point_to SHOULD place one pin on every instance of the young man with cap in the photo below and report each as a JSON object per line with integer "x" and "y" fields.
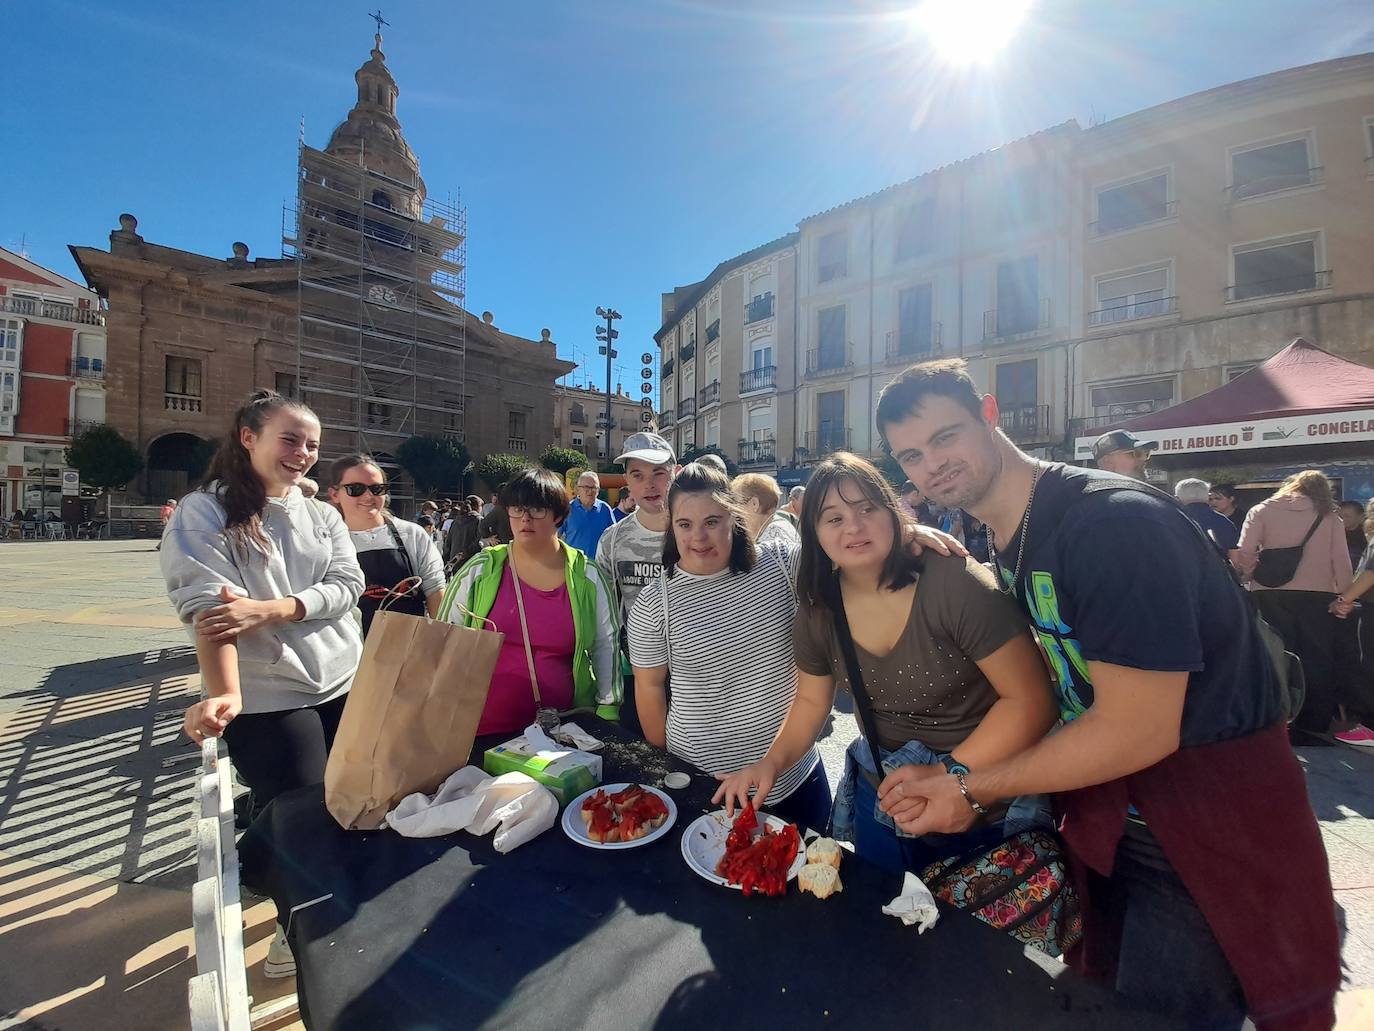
{"x": 630, "y": 552}
{"x": 588, "y": 517}
{"x": 1200, "y": 866}
{"x": 1123, "y": 453}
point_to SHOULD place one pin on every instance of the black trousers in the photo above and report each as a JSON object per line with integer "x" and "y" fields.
{"x": 1310, "y": 632}
{"x": 275, "y": 752}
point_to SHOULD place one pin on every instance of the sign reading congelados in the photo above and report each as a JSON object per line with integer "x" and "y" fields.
{"x": 1289, "y": 431}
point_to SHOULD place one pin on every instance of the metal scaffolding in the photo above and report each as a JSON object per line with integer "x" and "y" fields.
{"x": 380, "y": 276}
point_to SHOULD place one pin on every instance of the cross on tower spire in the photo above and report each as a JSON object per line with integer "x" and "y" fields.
{"x": 377, "y": 17}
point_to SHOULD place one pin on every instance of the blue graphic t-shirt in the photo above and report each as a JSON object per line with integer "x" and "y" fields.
{"x": 1124, "y": 577}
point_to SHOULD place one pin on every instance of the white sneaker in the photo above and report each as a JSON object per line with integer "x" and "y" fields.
{"x": 280, "y": 961}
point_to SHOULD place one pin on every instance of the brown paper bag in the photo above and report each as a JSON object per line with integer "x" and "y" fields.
{"x": 411, "y": 714}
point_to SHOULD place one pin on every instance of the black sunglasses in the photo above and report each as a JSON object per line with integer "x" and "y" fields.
{"x": 355, "y": 490}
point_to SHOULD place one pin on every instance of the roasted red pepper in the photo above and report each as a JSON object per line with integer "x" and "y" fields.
{"x": 758, "y": 864}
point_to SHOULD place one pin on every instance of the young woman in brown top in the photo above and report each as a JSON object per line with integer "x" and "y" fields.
{"x": 946, "y": 659}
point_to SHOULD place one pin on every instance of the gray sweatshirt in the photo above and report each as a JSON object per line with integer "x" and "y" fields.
{"x": 283, "y": 665}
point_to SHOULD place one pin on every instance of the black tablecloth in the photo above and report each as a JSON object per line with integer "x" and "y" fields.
{"x": 447, "y": 933}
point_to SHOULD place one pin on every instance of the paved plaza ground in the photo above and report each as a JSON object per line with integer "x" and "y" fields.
{"x": 97, "y": 813}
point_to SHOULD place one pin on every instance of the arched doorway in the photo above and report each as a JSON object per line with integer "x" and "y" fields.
{"x": 175, "y": 462}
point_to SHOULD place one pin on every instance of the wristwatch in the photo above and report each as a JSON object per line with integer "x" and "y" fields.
{"x": 963, "y": 790}
{"x": 953, "y": 765}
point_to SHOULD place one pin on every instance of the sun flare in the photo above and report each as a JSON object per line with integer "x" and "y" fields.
{"x": 969, "y": 32}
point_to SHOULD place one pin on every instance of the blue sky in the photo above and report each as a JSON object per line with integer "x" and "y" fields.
{"x": 607, "y": 150}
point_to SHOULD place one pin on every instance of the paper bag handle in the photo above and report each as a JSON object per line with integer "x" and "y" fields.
{"x": 399, "y": 591}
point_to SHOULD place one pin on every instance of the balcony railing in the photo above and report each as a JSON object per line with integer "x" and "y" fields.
{"x": 1276, "y": 183}
{"x": 1133, "y": 220}
{"x": 668, "y": 364}
{"x": 758, "y": 452}
{"x": 687, "y": 408}
{"x": 709, "y": 394}
{"x": 666, "y": 418}
{"x": 713, "y": 331}
{"x": 1096, "y": 425}
{"x": 516, "y": 444}
{"x": 689, "y": 350}
{"x": 765, "y": 377}
{"x": 1017, "y": 320}
{"x": 577, "y": 418}
{"x": 1134, "y": 310}
{"x": 1297, "y": 283}
{"x": 76, "y": 427}
{"x": 759, "y": 308}
{"x": 826, "y": 441}
{"x": 1026, "y": 424}
{"x": 85, "y": 367}
{"x": 180, "y": 402}
{"x": 910, "y": 346}
{"x": 827, "y": 360}
{"x": 41, "y": 309}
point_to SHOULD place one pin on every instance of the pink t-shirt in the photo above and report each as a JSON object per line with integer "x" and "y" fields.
{"x": 510, "y": 702}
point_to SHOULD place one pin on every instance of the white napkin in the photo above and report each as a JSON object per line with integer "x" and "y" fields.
{"x": 574, "y": 736}
{"x": 915, "y": 905}
{"x": 471, "y": 800}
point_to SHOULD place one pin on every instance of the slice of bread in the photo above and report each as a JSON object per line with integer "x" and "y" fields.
{"x": 824, "y": 850}
{"x": 820, "y": 879}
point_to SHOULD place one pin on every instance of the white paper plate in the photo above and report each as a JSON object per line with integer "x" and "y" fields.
{"x": 703, "y": 843}
{"x": 576, "y": 828}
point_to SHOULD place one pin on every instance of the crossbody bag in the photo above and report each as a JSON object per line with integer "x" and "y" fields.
{"x": 1277, "y": 566}
{"x": 1020, "y": 886}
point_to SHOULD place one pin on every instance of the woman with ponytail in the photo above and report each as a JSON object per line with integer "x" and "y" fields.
{"x": 266, "y": 580}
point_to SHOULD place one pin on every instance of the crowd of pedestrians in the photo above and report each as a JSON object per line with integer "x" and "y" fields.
{"x": 1029, "y": 645}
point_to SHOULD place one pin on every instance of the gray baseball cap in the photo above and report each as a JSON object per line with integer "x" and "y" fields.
{"x": 648, "y": 447}
{"x": 1121, "y": 440}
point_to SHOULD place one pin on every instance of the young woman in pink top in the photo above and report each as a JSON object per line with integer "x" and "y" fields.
{"x": 1300, "y": 609}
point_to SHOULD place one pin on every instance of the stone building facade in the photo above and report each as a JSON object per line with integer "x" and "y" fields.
{"x": 190, "y": 335}
{"x": 579, "y": 415}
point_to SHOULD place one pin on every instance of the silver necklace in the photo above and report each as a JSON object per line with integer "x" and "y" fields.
{"x": 1021, "y": 549}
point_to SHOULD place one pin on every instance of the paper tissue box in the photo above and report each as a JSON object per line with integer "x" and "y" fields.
{"x": 566, "y": 772}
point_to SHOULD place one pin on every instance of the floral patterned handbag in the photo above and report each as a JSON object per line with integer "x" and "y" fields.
{"x": 1020, "y": 886}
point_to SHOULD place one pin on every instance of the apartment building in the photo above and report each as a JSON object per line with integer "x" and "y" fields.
{"x": 973, "y": 259}
{"x": 1088, "y": 276}
{"x": 729, "y": 358}
{"x": 579, "y": 420}
{"x": 52, "y": 371}
{"x": 1219, "y": 228}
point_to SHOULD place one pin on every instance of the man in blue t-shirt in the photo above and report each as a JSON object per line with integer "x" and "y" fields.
{"x": 588, "y": 517}
{"x": 1172, "y": 774}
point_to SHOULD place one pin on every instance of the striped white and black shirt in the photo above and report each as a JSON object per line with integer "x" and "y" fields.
{"x": 733, "y": 675}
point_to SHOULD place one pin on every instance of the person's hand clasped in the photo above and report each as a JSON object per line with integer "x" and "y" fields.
{"x": 1341, "y": 608}
{"x": 735, "y": 787}
{"x": 925, "y": 800}
{"x": 237, "y": 616}
{"x": 209, "y": 717}
{"x": 920, "y": 537}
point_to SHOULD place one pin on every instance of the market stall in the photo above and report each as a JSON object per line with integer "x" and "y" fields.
{"x": 1303, "y": 408}
{"x": 445, "y": 932}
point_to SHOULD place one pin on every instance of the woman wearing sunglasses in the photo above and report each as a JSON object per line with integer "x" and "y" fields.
{"x": 537, "y": 581}
{"x": 389, "y": 550}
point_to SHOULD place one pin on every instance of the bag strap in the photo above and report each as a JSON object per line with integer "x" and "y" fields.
{"x": 1312, "y": 529}
{"x": 862, "y": 705}
{"x": 524, "y": 626}
{"x": 667, "y": 638}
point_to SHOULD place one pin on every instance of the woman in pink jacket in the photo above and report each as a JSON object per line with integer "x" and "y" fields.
{"x": 1300, "y": 608}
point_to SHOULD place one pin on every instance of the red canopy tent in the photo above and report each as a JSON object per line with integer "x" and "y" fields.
{"x": 1302, "y": 395}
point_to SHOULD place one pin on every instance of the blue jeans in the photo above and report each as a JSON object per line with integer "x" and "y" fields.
{"x": 881, "y": 845}
{"x": 1169, "y": 960}
{"x": 809, "y": 806}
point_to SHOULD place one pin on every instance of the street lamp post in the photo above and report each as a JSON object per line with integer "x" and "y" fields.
{"x": 606, "y": 335}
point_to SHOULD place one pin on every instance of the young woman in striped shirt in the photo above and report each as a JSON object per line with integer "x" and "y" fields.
{"x": 727, "y": 639}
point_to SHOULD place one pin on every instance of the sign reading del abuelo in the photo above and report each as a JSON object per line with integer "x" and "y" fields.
{"x": 1288, "y": 431}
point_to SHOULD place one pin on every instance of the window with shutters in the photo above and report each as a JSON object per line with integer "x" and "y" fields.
{"x": 1137, "y": 397}
{"x": 1136, "y": 295}
{"x": 833, "y": 256}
